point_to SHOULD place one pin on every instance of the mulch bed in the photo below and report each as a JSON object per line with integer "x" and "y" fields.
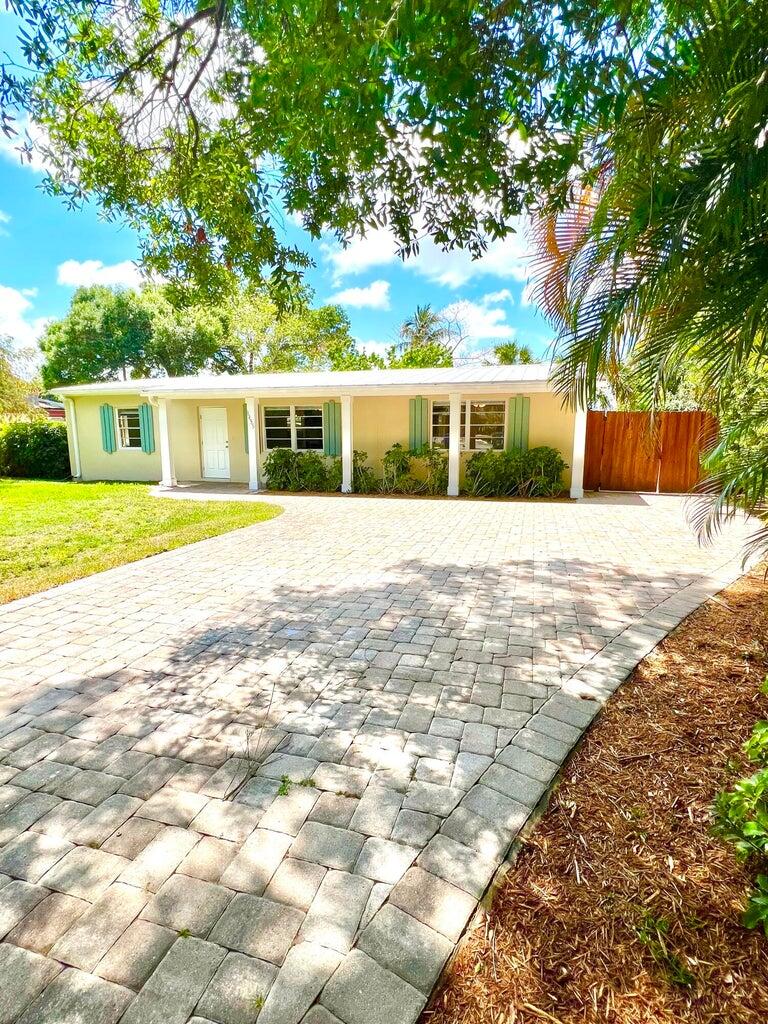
{"x": 622, "y": 906}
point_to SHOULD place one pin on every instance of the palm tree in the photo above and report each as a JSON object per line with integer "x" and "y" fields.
{"x": 509, "y": 353}
{"x": 426, "y": 339}
{"x": 660, "y": 264}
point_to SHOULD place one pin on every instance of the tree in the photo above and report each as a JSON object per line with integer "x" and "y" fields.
{"x": 104, "y": 336}
{"x": 659, "y": 267}
{"x": 426, "y": 339}
{"x": 509, "y": 353}
{"x": 183, "y": 339}
{"x": 15, "y": 390}
{"x": 201, "y": 123}
{"x": 264, "y": 338}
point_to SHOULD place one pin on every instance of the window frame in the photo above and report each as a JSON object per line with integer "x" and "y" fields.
{"x": 118, "y": 433}
{"x": 466, "y": 427}
{"x": 293, "y": 408}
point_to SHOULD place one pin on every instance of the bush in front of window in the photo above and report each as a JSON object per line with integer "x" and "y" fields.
{"x": 535, "y": 473}
{"x": 287, "y": 470}
{"x": 36, "y": 449}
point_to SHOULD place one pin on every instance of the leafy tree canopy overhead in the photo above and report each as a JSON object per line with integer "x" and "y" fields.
{"x": 202, "y": 122}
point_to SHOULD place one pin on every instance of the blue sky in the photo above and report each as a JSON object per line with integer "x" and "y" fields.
{"x": 46, "y": 250}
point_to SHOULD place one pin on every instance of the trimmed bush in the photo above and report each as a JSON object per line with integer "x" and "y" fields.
{"x": 536, "y": 473}
{"x": 36, "y": 449}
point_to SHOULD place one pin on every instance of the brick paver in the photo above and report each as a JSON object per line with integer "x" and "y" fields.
{"x": 274, "y": 772}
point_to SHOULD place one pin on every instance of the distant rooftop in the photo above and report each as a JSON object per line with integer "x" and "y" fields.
{"x": 336, "y": 381}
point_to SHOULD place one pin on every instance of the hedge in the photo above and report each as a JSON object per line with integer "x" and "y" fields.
{"x": 34, "y": 448}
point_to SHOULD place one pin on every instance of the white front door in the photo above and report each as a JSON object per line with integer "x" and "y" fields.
{"x": 213, "y": 431}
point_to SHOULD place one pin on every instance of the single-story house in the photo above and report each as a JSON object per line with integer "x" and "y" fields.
{"x": 221, "y": 428}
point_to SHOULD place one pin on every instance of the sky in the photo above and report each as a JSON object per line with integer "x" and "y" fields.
{"x": 47, "y": 250}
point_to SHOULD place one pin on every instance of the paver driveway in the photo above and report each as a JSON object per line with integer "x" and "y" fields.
{"x": 272, "y": 773}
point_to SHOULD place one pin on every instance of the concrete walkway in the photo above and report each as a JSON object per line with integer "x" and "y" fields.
{"x": 271, "y": 774}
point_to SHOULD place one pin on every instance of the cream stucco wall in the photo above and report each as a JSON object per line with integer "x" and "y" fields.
{"x": 378, "y": 422}
{"x": 95, "y": 463}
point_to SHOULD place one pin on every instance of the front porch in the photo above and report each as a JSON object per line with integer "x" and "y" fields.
{"x": 228, "y": 441}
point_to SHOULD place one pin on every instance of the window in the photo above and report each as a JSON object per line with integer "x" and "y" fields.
{"x": 128, "y": 428}
{"x": 277, "y": 428}
{"x": 294, "y": 426}
{"x": 440, "y": 423}
{"x": 309, "y": 428}
{"x": 486, "y": 426}
{"x": 482, "y": 425}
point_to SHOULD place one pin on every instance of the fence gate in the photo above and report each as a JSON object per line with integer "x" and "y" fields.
{"x": 623, "y": 453}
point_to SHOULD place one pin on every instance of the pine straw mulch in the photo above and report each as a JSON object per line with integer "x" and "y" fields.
{"x": 622, "y": 906}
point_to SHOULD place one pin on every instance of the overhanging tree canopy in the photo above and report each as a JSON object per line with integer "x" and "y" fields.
{"x": 202, "y": 122}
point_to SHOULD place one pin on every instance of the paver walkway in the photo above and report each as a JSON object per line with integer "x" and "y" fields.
{"x": 272, "y": 773}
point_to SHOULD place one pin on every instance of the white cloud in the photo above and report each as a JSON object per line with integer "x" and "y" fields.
{"x": 15, "y": 320}
{"x": 478, "y": 321}
{"x": 505, "y": 295}
{"x": 76, "y": 274}
{"x": 376, "y": 249}
{"x": 373, "y": 296}
{"x": 504, "y": 258}
{"x": 5, "y": 218}
{"x": 378, "y": 348}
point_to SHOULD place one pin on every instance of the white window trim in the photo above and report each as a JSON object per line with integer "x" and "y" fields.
{"x": 120, "y": 446}
{"x": 466, "y": 404}
{"x": 291, "y": 407}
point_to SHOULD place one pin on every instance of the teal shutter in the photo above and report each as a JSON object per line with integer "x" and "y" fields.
{"x": 418, "y": 422}
{"x": 332, "y": 428}
{"x": 146, "y": 428}
{"x": 107, "y": 416}
{"x": 245, "y": 425}
{"x": 518, "y": 414}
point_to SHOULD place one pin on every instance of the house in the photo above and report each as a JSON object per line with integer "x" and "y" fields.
{"x": 221, "y": 428}
{"x": 47, "y": 406}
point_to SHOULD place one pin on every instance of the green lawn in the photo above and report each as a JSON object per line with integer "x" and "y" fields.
{"x": 54, "y": 532}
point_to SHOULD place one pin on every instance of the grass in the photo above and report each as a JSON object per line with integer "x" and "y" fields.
{"x": 623, "y": 907}
{"x": 53, "y": 532}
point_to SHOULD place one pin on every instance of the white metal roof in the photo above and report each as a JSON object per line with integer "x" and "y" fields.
{"x": 532, "y": 377}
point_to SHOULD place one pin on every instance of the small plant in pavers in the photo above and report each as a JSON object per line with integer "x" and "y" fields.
{"x": 285, "y": 786}
{"x": 185, "y": 933}
{"x": 307, "y": 783}
{"x": 258, "y": 1003}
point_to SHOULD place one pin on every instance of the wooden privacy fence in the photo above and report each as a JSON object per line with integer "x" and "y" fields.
{"x": 623, "y": 453}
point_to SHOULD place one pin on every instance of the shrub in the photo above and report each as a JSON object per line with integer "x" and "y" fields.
{"x": 287, "y": 470}
{"x": 535, "y": 473}
{"x": 741, "y": 818}
{"x": 434, "y": 459}
{"x": 363, "y": 478}
{"x": 34, "y": 448}
{"x": 396, "y": 466}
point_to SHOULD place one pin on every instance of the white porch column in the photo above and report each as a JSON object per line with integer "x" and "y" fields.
{"x": 168, "y": 475}
{"x": 579, "y": 448}
{"x": 454, "y": 442}
{"x": 71, "y": 420}
{"x": 347, "y": 443}
{"x": 252, "y": 414}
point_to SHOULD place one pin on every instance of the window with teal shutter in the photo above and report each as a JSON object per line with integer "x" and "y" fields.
{"x": 107, "y": 416}
{"x": 332, "y": 428}
{"x": 517, "y": 423}
{"x": 418, "y": 422}
{"x": 146, "y": 428}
